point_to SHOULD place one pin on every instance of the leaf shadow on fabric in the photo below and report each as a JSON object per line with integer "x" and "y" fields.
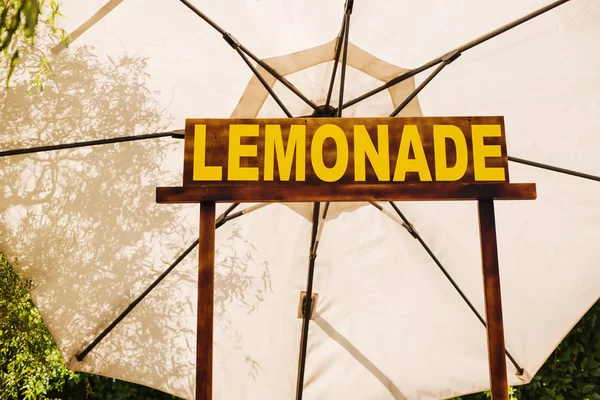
{"x": 83, "y": 223}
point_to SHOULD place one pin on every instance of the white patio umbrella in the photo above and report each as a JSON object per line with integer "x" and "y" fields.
{"x": 400, "y": 299}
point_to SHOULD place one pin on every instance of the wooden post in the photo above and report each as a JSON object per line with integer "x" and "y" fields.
{"x": 493, "y": 302}
{"x": 206, "y": 278}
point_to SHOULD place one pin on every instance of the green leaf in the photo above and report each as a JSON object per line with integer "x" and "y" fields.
{"x": 3, "y": 15}
{"x": 584, "y": 363}
{"x": 13, "y": 63}
{"x": 6, "y": 41}
{"x": 32, "y": 10}
{"x": 588, "y": 388}
{"x": 19, "y": 21}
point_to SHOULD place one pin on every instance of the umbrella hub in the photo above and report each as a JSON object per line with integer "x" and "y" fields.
{"x": 325, "y": 111}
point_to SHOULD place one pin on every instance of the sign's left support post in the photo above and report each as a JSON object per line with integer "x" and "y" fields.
{"x": 206, "y": 285}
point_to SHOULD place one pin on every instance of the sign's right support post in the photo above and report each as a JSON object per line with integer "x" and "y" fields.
{"x": 493, "y": 302}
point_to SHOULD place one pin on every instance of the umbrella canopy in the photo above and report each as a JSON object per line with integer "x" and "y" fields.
{"x": 399, "y": 310}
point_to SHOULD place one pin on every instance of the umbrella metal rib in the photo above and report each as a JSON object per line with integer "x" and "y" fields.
{"x": 262, "y": 80}
{"x": 221, "y": 220}
{"x": 39, "y": 149}
{"x": 416, "y": 235}
{"x": 279, "y": 77}
{"x": 461, "y": 49}
{"x": 307, "y": 306}
{"x": 336, "y": 59}
{"x": 393, "y": 217}
{"x": 80, "y": 356}
{"x": 451, "y": 57}
{"x": 227, "y": 218}
{"x": 227, "y": 36}
{"x": 555, "y": 169}
{"x": 344, "y": 56}
{"x": 320, "y": 230}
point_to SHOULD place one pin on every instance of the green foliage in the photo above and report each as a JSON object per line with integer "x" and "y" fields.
{"x": 572, "y": 372}
{"x": 31, "y": 366}
{"x": 95, "y": 387}
{"x": 19, "y": 25}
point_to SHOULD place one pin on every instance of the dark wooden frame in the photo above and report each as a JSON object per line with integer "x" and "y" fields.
{"x": 209, "y": 193}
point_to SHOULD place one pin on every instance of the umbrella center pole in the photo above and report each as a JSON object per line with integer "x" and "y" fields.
{"x": 493, "y": 302}
{"x": 206, "y": 284}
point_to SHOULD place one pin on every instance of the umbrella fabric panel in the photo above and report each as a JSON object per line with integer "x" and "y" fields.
{"x": 382, "y": 301}
{"x": 83, "y": 223}
{"x": 88, "y": 233}
{"x": 550, "y": 110}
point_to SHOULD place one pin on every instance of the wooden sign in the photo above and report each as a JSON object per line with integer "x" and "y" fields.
{"x": 334, "y": 150}
{"x": 345, "y": 159}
